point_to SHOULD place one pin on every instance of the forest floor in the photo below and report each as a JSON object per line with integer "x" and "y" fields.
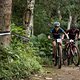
{"x": 65, "y": 73}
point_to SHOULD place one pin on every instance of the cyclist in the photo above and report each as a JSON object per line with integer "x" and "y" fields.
{"x": 57, "y": 33}
{"x": 73, "y": 34}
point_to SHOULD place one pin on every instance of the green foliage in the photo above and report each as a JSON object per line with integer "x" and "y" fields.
{"x": 18, "y": 9}
{"x": 41, "y": 20}
{"x": 44, "y": 48}
{"x": 64, "y": 24}
{"x": 18, "y": 61}
{"x": 17, "y": 29}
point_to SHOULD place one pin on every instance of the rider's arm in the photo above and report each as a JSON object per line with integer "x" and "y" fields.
{"x": 64, "y": 34}
{"x": 62, "y": 37}
{"x": 49, "y": 37}
{"x": 77, "y": 34}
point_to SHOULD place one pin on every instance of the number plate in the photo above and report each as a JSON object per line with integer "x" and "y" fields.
{"x": 71, "y": 40}
{"x": 59, "y": 40}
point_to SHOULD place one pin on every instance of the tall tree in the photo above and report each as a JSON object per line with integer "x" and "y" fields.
{"x": 5, "y": 15}
{"x": 28, "y": 17}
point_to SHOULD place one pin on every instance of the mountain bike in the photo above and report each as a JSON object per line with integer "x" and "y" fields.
{"x": 58, "y": 55}
{"x": 72, "y": 53}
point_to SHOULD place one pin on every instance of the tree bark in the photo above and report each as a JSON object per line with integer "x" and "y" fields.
{"x": 5, "y": 15}
{"x": 28, "y": 18}
{"x": 69, "y": 21}
{"x": 59, "y": 13}
{"x": 74, "y": 20}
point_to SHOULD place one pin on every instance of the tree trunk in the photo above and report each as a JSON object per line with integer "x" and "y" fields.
{"x": 28, "y": 18}
{"x": 70, "y": 21}
{"x": 74, "y": 20}
{"x": 5, "y": 15}
{"x": 59, "y": 13}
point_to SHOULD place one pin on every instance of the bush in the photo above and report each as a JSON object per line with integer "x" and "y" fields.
{"x": 18, "y": 61}
{"x": 43, "y": 47}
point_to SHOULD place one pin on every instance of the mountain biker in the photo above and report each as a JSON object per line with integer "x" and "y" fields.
{"x": 73, "y": 34}
{"x": 57, "y": 33}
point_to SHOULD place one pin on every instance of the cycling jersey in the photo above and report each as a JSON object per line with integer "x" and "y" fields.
{"x": 72, "y": 33}
{"x": 57, "y": 34}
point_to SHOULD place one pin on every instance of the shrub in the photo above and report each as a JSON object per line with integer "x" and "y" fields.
{"x": 18, "y": 61}
{"x": 44, "y": 48}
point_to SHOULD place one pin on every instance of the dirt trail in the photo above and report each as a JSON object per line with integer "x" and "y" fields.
{"x": 65, "y": 73}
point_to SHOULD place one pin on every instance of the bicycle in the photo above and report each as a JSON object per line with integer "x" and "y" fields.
{"x": 72, "y": 53}
{"x": 58, "y": 55}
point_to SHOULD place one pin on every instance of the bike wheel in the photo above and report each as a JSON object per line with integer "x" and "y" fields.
{"x": 76, "y": 56}
{"x": 55, "y": 61}
{"x": 59, "y": 58}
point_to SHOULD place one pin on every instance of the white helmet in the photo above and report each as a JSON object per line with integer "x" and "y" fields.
{"x": 57, "y": 24}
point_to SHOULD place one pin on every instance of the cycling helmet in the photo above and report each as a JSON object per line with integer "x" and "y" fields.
{"x": 56, "y": 24}
{"x": 73, "y": 26}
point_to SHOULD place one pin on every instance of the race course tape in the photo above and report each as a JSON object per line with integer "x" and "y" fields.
{"x": 4, "y": 33}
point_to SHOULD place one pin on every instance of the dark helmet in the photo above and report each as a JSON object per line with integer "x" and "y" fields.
{"x": 73, "y": 27}
{"x": 56, "y": 24}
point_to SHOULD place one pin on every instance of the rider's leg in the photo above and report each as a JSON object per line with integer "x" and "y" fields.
{"x": 54, "y": 49}
{"x": 74, "y": 50}
{"x": 65, "y": 51}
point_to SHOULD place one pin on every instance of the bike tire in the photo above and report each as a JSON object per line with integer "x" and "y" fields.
{"x": 76, "y": 57}
{"x": 55, "y": 61}
{"x": 59, "y": 58}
